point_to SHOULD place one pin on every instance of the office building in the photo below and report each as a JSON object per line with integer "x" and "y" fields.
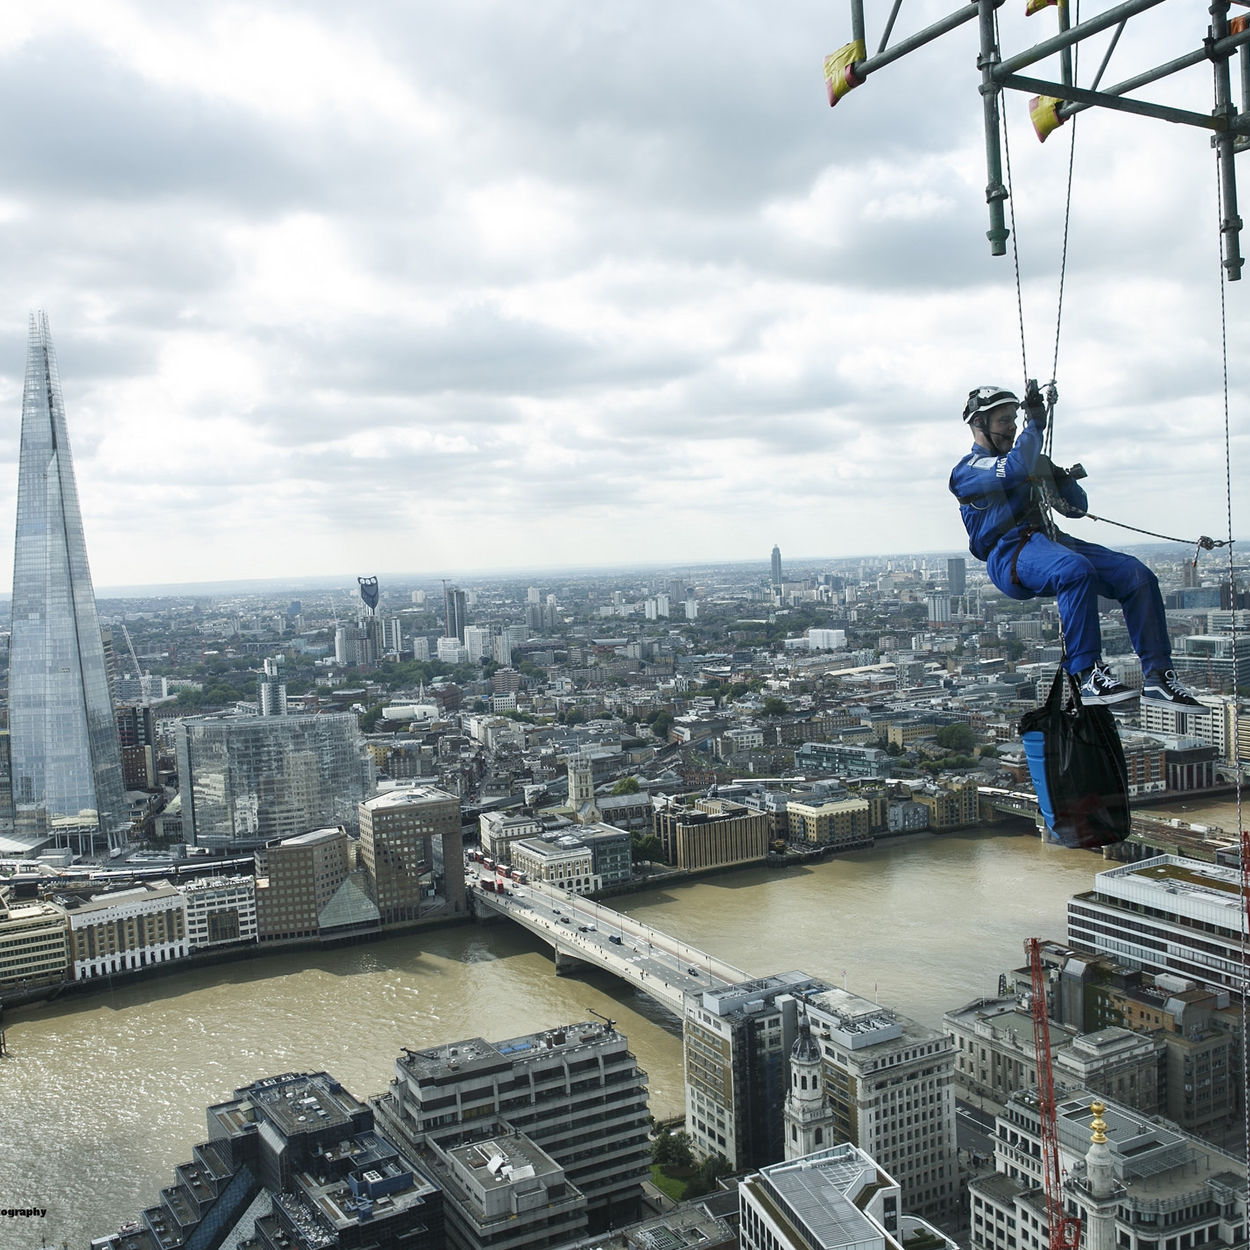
{"x": 411, "y": 847}
{"x": 66, "y": 761}
{"x": 502, "y": 1191}
{"x": 563, "y": 860}
{"x": 451, "y": 651}
{"x": 996, "y": 1055}
{"x": 576, "y": 1091}
{"x": 295, "y": 880}
{"x": 611, "y": 850}
{"x": 839, "y": 1198}
{"x": 292, "y": 1162}
{"x": 127, "y": 930}
{"x": 776, "y": 567}
{"x": 735, "y": 1044}
{"x": 711, "y": 833}
{"x": 221, "y": 911}
{"x": 1165, "y": 915}
{"x": 271, "y": 688}
{"x": 1206, "y": 661}
{"x": 455, "y": 613}
{"x": 499, "y": 830}
{"x": 939, "y": 609}
{"x": 34, "y": 946}
{"x": 890, "y": 1084}
{"x": 956, "y": 576}
{"x": 1136, "y": 1180}
{"x": 248, "y": 780}
{"x": 842, "y": 760}
{"x": 839, "y": 824}
{"x": 951, "y": 805}
{"x": 421, "y": 649}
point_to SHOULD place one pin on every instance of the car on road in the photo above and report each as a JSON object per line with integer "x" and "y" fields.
{"x": 581, "y": 928}
{"x": 565, "y": 920}
{"x": 613, "y": 938}
{"x": 694, "y": 972}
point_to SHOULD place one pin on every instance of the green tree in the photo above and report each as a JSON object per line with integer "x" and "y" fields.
{"x": 626, "y": 785}
{"x": 646, "y": 848}
{"x": 989, "y": 751}
{"x": 713, "y": 1168}
{"x": 956, "y": 738}
{"x": 673, "y": 1150}
{"x": 661, "y": 725}
{"x": 369, "y": 720}
{"x": 774, "y": 706}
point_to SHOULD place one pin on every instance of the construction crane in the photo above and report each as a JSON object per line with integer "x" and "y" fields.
{"x": 609, "y": 1025}
{"x": 134, "y": 659}
{"x": 1065, "y": 1229}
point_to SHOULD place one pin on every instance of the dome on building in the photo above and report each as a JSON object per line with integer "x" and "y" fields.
{"x": 805, "y": 1049}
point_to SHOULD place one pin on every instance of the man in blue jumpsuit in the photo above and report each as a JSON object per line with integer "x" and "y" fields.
{"x": 999, "y": 488}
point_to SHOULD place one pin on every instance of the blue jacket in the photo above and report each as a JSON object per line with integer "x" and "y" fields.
{"x": 996, "y": 496}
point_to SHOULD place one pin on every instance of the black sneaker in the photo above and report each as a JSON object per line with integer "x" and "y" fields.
{"x": 1163, "y": 686}
{"x": 1099, "y": 688}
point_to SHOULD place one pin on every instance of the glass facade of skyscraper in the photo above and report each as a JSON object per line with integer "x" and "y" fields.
{"x": 66, "y": 761}
{"x": 246, "y": 780}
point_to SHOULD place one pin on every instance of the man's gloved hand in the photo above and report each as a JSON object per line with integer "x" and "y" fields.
{"x": 1061, "y": 477}
{"x": 1034, "y": 405}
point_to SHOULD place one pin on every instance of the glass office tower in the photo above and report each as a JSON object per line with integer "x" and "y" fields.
{"x": 66, "y": 761}
{"x": 246, "y": 780}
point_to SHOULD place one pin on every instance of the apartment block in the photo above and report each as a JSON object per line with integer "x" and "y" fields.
{"x": 951, "y": 805}
{"x": 577, "y": 1092}
{"x": 839, "y": 824}
{"x": 410, "y": 876}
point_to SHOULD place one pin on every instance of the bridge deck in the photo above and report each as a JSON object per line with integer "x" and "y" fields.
{"x": 649, "y": 959}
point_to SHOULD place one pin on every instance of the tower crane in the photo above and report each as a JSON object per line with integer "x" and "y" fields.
{"x": 134, "y": 659}
{"x": 1065, "y": 1229}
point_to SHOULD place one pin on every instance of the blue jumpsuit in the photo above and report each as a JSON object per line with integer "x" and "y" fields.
{"x": 1004, "y": 522}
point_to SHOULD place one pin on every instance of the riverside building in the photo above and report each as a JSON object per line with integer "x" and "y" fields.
{"x": 711, "y": 833}
{"x": 221, "y": 911}
{"x": 292, "y": 1162}
{"x": 34, "y": 946}
{"x": 1165, "y": 915}
{"x": 128, "y": 930}
{"x": 577, "y": 1092}
{"x": 411, "y": 847}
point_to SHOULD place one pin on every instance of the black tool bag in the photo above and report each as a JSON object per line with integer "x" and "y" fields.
{"x": 1078, "y": 769}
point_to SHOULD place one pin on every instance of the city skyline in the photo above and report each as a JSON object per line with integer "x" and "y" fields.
{"x": 331, "y": 295}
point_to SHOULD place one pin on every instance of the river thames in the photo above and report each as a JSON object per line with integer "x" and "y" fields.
{"x": 104, "y": 1095}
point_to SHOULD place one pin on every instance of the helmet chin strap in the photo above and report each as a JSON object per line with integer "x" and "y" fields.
{"x": 999, "y": 443}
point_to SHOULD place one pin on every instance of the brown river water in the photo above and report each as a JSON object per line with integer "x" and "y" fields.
{"x": 101, "y": 1096}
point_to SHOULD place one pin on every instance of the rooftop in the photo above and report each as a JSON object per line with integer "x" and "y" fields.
{"x": 409, "y": 796}
{"x": 460, "y": 1059}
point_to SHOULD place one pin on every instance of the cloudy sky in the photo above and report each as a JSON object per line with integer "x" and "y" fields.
{"x": 442, "y": 287}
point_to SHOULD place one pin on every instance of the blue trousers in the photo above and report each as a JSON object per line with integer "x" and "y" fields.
{"x": 1076, "y": 573}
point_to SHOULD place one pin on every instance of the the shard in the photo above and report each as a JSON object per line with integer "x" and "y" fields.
{"x": 66, "y": 760}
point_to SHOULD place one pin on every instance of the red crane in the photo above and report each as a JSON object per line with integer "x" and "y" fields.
{"x": 1065, "y": 1229}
